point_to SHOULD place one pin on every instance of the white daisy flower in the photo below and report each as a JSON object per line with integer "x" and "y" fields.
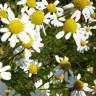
{"x": 82, "y": 46}
{"x": 65, "y": 65}
{"x": 70, "y": 27}
{"x": 42, "y": 88}
{"x": 82, "y": 40}
{"x": 4, "y": 11}
{"x": 84, "y": 7}
{"x": 37, "y": 19}
{"x": 78, "y": 85}
{"x": 54, "y": 12}
{"x": 31, "y": 66}
{"x": 3, "y": 72}
{"x": 5, "y": 91}
{"x": 27, "y": 4}
{"x": 16, "y": 30}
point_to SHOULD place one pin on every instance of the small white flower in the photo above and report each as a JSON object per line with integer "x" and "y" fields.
{"x": 82, "y": 7}
{"x": 54, "y": 12}
{"x": 30, "y": 66}
{"x": 78, "y": 86}
{"x": 4, "y": 12}
{"x": 28, "y": 4}
{"x": 70, "y": 27}
{"x": 42, "y": 88}
{"x": 16, "y": 30}
{"x": 65, "y": 67}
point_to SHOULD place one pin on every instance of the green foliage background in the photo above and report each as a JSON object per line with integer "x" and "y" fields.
{"x": 80, "y": 62}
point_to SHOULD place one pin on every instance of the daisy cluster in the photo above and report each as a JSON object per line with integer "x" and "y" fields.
{"x": 23, "y": 33}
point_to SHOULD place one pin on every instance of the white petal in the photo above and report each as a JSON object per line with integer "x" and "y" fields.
{"x": 45, "y": 2}
{"x": 5, "y": 68}
{"x": 68, "y": 6}
{"x": 66, "y": 58}
{"x": 13, "y": 40}
{"x": 24, "y": 9}
{"x": 66, "y": 76}
{"x": 71, "y": 73}
{"x": 11, "y": 15}
{"x": 6, "y": 75}
{"x": 76, "y": 15}
{"x": 24, "y": 37}
{"x": 46, "y": 85}
{"x": 4, "y": 20}
{"x": 56, "y": 2}
{"x": 36, "y": 48}
{"x": 38, "y": 33}
{"x": 5, "y": 36}
{"x": 60, "y": 11}
{"x": 5, "y": 6}
{"x": 78, "y": 76}
{"x": 57, "y": 58}
{"x": 27, "y": 53}
{"x": 4, "y": 30}
{"x": 86, "y": 14}
{"x": 1, "y": 6}
{"x": 21, "y": 2}
{"x": 30, "y": 74}
{"x": 60, "y": 34}
{"x": 1, "y": 64}
{"x": 40, "y": 6}
{"x": 68, "y": 35}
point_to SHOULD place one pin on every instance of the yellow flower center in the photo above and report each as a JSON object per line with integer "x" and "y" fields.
{"x": 28, "y": 44}
{"x": 51, "y": 7}
{"x": 65, "y": 64}
{"x": 88, "y": 29}
{"x": 93, "y": 15}
{"x": 16, "y": 26}
{"x": 60, "y": 78}
{"x": 81, "y": 4}
{"x": 42, "y": 89}
{"x": 31, "y": 3}
{"x": 33, "y": 68}
{"x": 70, "y": 25}
{"x": 3, "y": 13}
{"x": 37, "y": 17}
{"x": 79, "y": 85}
{"x": 83, "y": 43}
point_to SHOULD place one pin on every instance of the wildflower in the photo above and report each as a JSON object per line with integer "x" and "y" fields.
{"x": 70, "y": 27}
{"x": 84, "y": 7}
{"x": 78, "y": 86}
{"x": 54, "y": 12}
{"x": 65, "y": 66}
{"x": 41, "y": 89}
{"x": 16, "y": 29}
{"x": 31, "y": 66}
